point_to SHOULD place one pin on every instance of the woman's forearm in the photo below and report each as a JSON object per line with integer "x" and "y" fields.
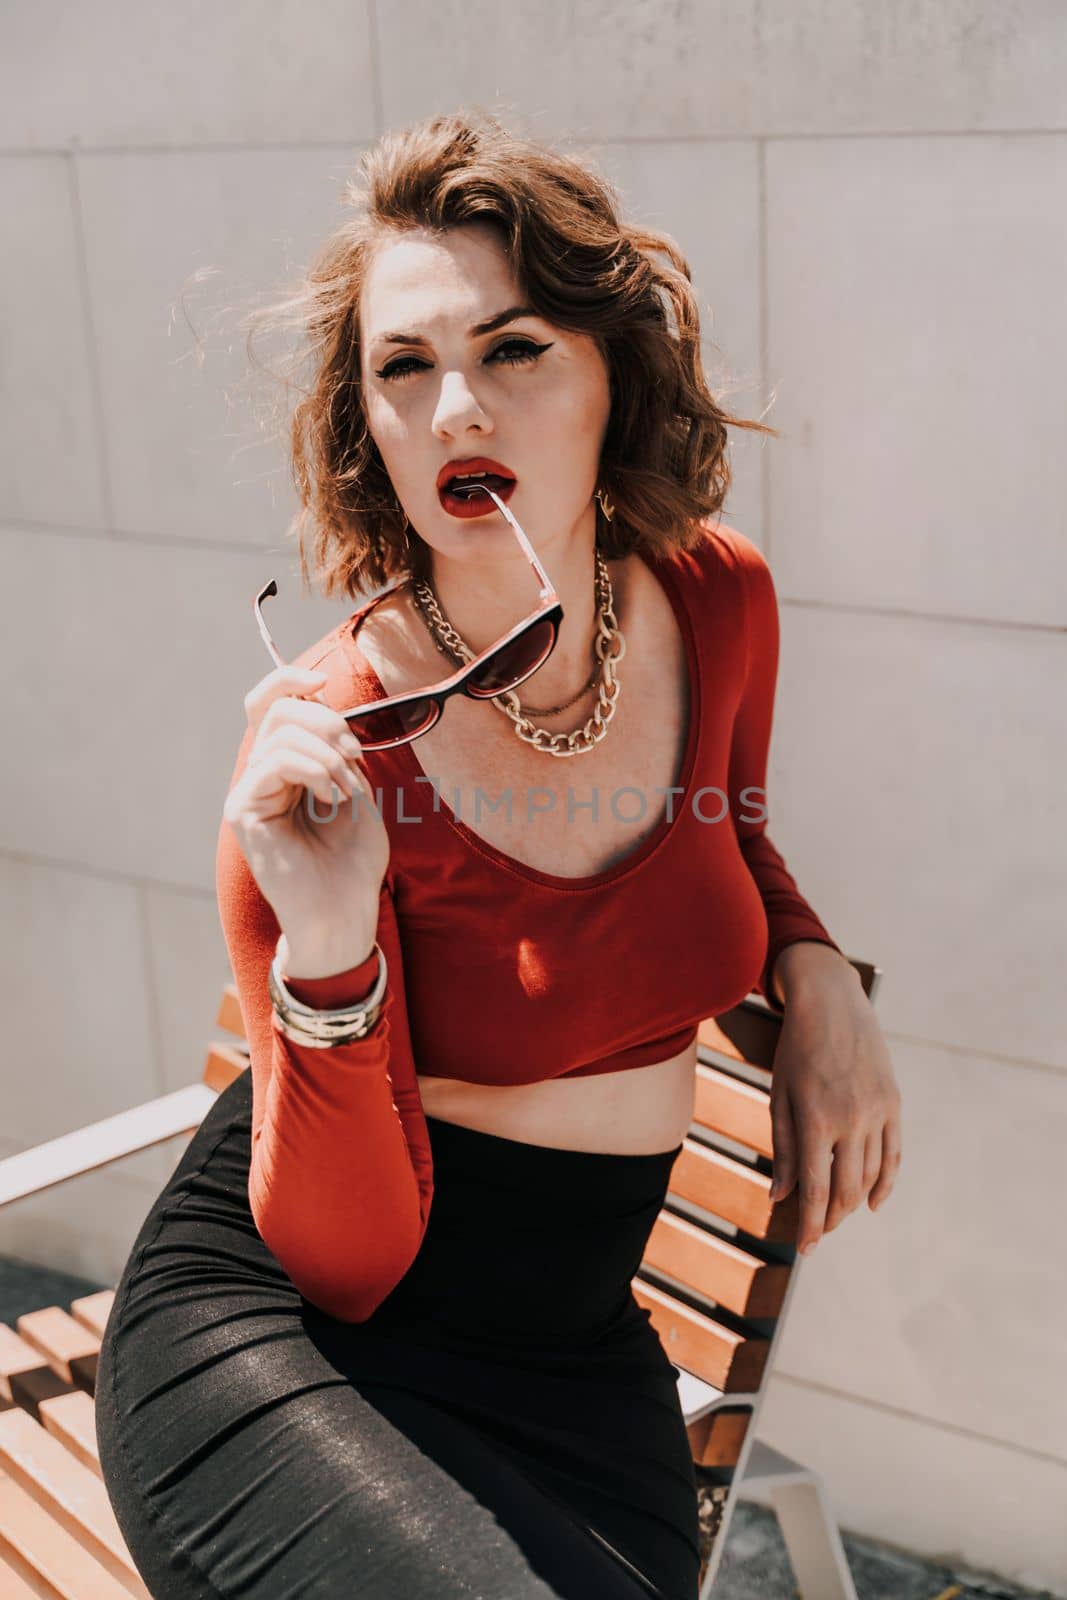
{"x": 807, "y": 965}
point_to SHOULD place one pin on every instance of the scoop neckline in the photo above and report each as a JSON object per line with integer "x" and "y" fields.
{"x": 666, "y": 574}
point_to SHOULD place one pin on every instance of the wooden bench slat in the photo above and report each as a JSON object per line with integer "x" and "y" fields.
{"x": 716, "y": 1439}
{"x": 66, "y": 1412}
{"x": 71, "y": 1419}
{"x": 728, "y": 1105}
{"x": 66, "y": 1490}
{"x": 224, "y": 1063}
{"x": 93, "y": 1310}
{"x": 229, "y": 1012}
{"x": 13, "y": 1586}
{"x": 38, "y": 1548}
{"x": 26, "y": 1379}
{"x": 737, "y": 1193}
{"x": 730, "y": 1360}
{"x": 725, "y": 1273}
{"x": 16, "y": 1356}
{"x": 70, "y": 1349}
{"x": 38, "y": 1387}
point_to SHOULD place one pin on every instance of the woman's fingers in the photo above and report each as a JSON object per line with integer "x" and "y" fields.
{"x": 287, "y": 680}
{"x": 832, "y": 1180}
{"x": 281, "y": 764}
{"x": 290, "y": 709}
{"x": 891, "y": 1142}
{"x": 269, "y": 789}
{"x": 288, "y": 700}
{"x": 846, "y": 1179}
{"x": 298, "y": 768}
{"x": 783, "y": 1143}
{"x": 815, "y": 1157}
{"x": 872, "y": 1159}
{"x": 292, "y": 736}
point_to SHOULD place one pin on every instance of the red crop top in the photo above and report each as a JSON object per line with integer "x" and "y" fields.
{"x": 500, "y": 973}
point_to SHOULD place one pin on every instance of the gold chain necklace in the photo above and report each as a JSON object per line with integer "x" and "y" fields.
{"x": 549, "y": 711}
{"x": 608, "y": 634}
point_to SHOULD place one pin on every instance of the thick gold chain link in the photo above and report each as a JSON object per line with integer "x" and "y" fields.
{"x": 607, "y": 635}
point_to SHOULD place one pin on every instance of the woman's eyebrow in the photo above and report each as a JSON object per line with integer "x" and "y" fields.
{"x": 475, "y": 332}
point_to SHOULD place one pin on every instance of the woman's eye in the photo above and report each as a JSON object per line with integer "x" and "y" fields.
{"x": 522, "y": 350}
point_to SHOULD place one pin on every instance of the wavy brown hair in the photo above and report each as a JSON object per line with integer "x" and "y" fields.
{"x": 579, "y": 265}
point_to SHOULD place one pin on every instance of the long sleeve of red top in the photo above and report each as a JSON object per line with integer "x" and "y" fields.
{"x": 789, "y": 916}
{"x": 341, "y": 1178}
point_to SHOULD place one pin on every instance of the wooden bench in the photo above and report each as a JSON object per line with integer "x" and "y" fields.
{"x": 717, "y": 1277}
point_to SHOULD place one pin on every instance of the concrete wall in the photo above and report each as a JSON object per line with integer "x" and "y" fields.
{"x": 873, "y": 199}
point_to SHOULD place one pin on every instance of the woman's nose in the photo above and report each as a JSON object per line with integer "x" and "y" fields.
{"x": 457, "y": 404}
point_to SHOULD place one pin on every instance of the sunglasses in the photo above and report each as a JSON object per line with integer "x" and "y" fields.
{"x": 516, "y": 656}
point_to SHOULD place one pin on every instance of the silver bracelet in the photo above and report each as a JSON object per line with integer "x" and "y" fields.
{"x": 320, "y": 1029}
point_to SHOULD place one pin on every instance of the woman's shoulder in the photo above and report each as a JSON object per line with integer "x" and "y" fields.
{"x": 719, "y": 545}
{"x": 723, "y": 567}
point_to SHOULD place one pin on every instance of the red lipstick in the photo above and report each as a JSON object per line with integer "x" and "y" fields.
{"x": 468, "y": 502}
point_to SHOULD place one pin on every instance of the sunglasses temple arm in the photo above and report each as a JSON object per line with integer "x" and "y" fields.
{"x": 265, "y": 635}
{"x": 548, "y": 590}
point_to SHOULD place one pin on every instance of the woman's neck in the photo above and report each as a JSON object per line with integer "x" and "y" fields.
{"x": 483, "y": 605}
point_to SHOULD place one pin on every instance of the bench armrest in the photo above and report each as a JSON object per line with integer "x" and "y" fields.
{"x": 71, "y": 1154}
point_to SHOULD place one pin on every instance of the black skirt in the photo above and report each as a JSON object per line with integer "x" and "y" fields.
{"x": 506, "y": 1423}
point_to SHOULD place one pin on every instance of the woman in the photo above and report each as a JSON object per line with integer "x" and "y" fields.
{"x": 377, "y": 1336}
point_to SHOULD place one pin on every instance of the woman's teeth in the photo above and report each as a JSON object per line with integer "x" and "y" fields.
{"x": 468, "y": 479}
{"x": 475, "y": 493}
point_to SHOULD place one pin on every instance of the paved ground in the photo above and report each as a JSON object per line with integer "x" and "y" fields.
{"x": 755, "y": 1565}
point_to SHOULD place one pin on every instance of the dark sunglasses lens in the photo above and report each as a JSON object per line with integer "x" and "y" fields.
{"x": 375, "y": 728}
{"x": 515, "y": 661}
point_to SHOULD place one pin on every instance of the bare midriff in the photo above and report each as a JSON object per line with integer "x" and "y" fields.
{"x": 640, "y": 1111}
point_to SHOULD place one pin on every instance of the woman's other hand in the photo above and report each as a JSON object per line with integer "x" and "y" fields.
{"x": 835, "y": 1104}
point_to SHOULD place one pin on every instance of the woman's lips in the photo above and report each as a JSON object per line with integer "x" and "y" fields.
{"x": 474, "y": 505}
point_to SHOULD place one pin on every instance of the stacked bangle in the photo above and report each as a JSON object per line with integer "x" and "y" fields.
{"x": 320, "y": 1029}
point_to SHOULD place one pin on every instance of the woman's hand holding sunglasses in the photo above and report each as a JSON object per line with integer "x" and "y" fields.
{"x": 322, "y": 877}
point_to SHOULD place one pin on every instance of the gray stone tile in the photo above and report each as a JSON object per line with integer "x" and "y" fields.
{"x": 662, "y": 69}
{"x": 137, "y": 782}
{"x": 52, "y": 455}
{"x": 179, "y": 246}
{"x": 121, "y": 74}
{"x": 917, "y": 330}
